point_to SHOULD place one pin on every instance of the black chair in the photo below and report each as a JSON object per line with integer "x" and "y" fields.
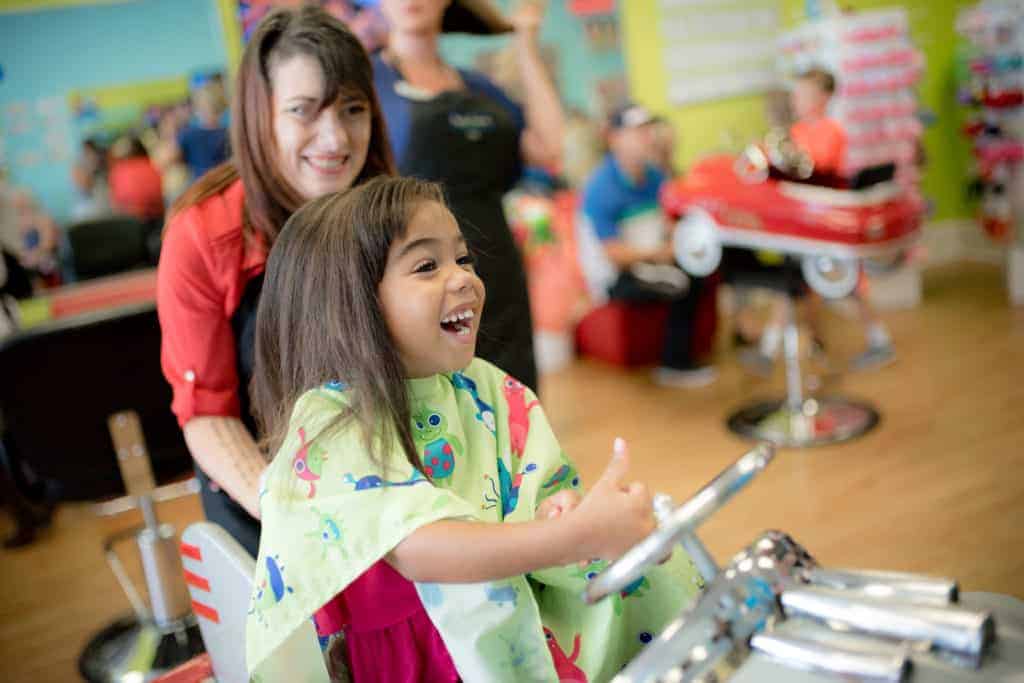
{"x": 61, "y": 381}
{"x": 873, "y": 175}
{"x": 742, "y": 268}
{"x": 17, "y": 283}
{"x": 109, "y": 245}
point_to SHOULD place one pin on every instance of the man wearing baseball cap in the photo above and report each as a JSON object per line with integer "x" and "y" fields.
{"x": 624, "y": 244}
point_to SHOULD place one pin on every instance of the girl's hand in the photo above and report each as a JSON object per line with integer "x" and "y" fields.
{"x": 557, "y": 505}
{"x": 615, "y": 515}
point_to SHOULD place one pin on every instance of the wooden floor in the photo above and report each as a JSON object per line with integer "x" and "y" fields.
{"x": 938, "y": 487}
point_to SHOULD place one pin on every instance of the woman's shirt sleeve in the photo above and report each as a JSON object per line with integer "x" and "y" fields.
{"x": 198, "y": 344}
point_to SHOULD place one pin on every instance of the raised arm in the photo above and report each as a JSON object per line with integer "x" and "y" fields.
{"x": 545, "y": 121}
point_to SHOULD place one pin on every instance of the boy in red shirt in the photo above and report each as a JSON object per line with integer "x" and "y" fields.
{"x": 821, "y": 137}
{"x": 824, "y": 140}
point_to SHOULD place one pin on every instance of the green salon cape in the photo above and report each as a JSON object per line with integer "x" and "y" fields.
{"x": 329, "y": 513}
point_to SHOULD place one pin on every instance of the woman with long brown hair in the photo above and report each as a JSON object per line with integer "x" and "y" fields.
{"x": 306, "y": 122}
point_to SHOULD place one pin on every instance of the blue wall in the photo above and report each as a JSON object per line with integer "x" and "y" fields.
{"x": 46, "y": 54}
{"x": 579, "y": 66}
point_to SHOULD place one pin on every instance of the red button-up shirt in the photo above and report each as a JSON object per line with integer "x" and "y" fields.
{"x": 205, "y": 264}
{"x": 824, "y": 140}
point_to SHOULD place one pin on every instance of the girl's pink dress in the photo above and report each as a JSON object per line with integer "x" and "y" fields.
{"x": 388, "y": 635}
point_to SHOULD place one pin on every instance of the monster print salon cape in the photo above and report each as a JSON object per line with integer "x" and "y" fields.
{"x": 491, "y": 457}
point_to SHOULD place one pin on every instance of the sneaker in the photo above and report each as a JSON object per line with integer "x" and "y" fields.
{"x": 818, "y": 347}
{"x": 756, "y": 362}
{"x": 685, "y": 379}
{"x": 741, "y": 341}
{"x": 818, "y": 354}
{"x": 874, "y": 357}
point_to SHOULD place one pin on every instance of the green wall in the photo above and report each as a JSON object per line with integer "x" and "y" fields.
{"x": 706, "y": 127}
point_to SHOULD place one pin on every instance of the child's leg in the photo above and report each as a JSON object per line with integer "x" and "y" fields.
{"x": 761, "y": 360}
{"x": 813, "y": 305}
{"x": 874, "y": 329}
{"x": 745, "y": 322}
{"x": 879, "y": 349}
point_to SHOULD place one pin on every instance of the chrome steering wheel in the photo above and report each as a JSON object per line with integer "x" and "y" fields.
{"x": 778, "y": 151}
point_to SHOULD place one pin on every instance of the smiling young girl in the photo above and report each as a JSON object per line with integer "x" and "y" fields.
{"x": 418, "y": 497}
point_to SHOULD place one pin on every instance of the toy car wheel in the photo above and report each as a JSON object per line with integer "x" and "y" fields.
{"x": 696, "y": 244}
{"x": 829, "y": 276}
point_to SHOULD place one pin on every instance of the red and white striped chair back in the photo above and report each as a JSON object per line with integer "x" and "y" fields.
{"x": 219, "y": 572}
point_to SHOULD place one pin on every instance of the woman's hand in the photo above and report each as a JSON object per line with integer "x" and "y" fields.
{"x": 541, "y": 143}
{"x": 615, "y": 515}
{"x": 527, "y": 18}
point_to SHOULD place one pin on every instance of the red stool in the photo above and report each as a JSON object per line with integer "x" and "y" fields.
{"x": 631, "y": 334}
{"x": 623, "y": 334}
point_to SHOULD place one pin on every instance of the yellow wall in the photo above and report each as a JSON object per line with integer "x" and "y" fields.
{"x": 724, "y": 124}
{"x": 37, "y": 5}
{"x": 228, "y": 12}
{"x": 705, "y": 127}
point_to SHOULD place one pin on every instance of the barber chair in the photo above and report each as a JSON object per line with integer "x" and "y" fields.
{"x": 219, "y": 573}
{"x": 765, "y": 200}
{"x": 109, "y": 245}
{"x": 61, "y": 381}
{"x": 162, "y": 633}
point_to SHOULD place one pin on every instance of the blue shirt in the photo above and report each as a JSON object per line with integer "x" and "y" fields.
{"x": 614, "y": 207}
{"x": 396, "y": 108}
{"x": 203, "y": 148}
{"x": 610, "y": 197}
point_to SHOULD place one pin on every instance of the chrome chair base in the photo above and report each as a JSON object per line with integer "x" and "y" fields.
{"x": 129, "y": 650}
{"x": 817, "y": 422}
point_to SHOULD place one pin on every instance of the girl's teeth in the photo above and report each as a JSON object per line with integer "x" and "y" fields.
{"x": 465, "y": 315}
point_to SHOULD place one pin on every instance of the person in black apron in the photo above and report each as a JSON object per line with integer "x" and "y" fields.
{"x": 478, "y": 163}
{"x": 461, "y": 131}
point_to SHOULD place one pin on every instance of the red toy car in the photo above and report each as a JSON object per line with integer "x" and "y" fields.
{"x": 730, "y": 201}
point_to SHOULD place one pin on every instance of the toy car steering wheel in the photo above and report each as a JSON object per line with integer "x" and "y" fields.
{"x": 752, "y": 166}
{"x": 675, "y": 525}
{"x": 778, "y": 151}
{"x": 786, "y": 156}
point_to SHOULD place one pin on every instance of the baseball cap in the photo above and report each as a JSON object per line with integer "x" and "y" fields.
{"x": 630, "y": 115}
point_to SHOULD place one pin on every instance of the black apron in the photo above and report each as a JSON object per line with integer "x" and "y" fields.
{"x": 218, "y": 505}
{"x": 470, "y": 144}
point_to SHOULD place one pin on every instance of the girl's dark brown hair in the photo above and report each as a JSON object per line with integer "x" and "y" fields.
{"x": 309, "y": 31}
{"x": 320, "y": 318}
